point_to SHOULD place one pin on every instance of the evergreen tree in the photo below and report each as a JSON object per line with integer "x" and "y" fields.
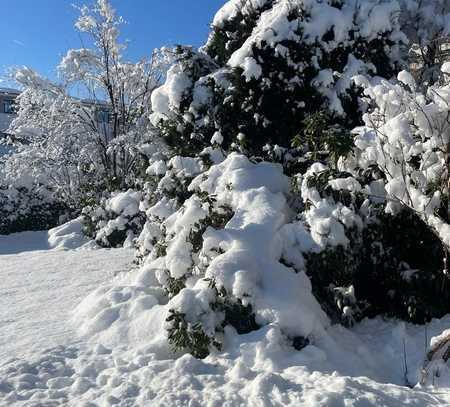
{"x": 268, "y": 66}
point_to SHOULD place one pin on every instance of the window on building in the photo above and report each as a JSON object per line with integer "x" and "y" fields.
{"x": 8, "y": 106}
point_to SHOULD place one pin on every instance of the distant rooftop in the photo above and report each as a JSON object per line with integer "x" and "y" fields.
{"x": 93, "y": 101}
{"x": 9, "y": 91}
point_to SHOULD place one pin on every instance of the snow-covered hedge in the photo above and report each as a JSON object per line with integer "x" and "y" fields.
{"x": 30, "y": 208}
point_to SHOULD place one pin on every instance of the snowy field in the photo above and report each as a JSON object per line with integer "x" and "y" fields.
{"x": 39, "y": 290}
{"x": 46, "y": 361}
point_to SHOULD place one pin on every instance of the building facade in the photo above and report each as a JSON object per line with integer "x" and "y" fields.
{"x": 102, "y": 111}
{"x": 7, "y": 108}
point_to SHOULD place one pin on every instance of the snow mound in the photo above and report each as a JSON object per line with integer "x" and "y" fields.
{"x": 69, "y": 236}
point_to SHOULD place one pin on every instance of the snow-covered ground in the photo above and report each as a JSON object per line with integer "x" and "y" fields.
{"x": 45, "y": 361}
{"x": 40, "y": 289}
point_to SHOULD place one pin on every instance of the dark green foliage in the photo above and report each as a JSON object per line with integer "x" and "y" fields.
{"x": 23, "y": 209}
{"x": 323, "y": 139}
{"x": 398, "y": 244}
{"x": 392, "y": 266}
{"x": 90, "y": 195}
{"x": 320, "y": 181}
{"x": 238, "y": 315}
{"x": 185, "y": 336}
{"x": 174, "y": 286}
{"x": 284, "y": 106}
{"x": 225, "y": 40}
{"x": 115, "y": 239}
{"x": 192, "y": 338}
{"x": 180, "y": 134}
{"x": 332, "y": 269}
{"x": 378, "y": 263}
{"x": 178, "y": 188}
{"x": 218, "y": 217}
{"x": 89, "y": 226}
{"x": 160, "y": 249}
{"x": 95, "y": 186}
{"x": 96, "y": 224}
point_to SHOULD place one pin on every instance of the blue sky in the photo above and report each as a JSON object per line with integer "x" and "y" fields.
{"x": 37, "y": 33}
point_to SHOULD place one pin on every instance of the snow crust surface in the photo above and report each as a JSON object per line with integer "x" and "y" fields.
{"x": 39, "y": 291}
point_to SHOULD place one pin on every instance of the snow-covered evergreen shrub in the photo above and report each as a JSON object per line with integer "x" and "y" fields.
{"x": 192, "y": 337}
{"x": 268, "y": 65}
{"x": 116, "y": 221}
{"x": 379, "y": 219}
{"x": 30, "y": 208}
{"x": 276, "y": 79}
{"x": 361, "y": 260}
{"x": 166, "y": 189}
{"x": 215, "y": 252}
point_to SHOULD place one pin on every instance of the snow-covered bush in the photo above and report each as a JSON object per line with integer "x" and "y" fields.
{"x": 276, "y": 79}
{"x": 361, "y": 260}
{"x": 167, "y": 188}
{"x": 406, "y": 138}
{"x": 115, "y": 221}
{"x": 29, "y": 208}
{"x": 215, "y": 252}
{"x": 380, "y": 217}
{"x": 269, "y": 65}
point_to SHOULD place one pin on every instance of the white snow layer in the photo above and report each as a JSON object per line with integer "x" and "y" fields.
{"x": 40, "y": 289}
{"x": 446, "y": 67}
